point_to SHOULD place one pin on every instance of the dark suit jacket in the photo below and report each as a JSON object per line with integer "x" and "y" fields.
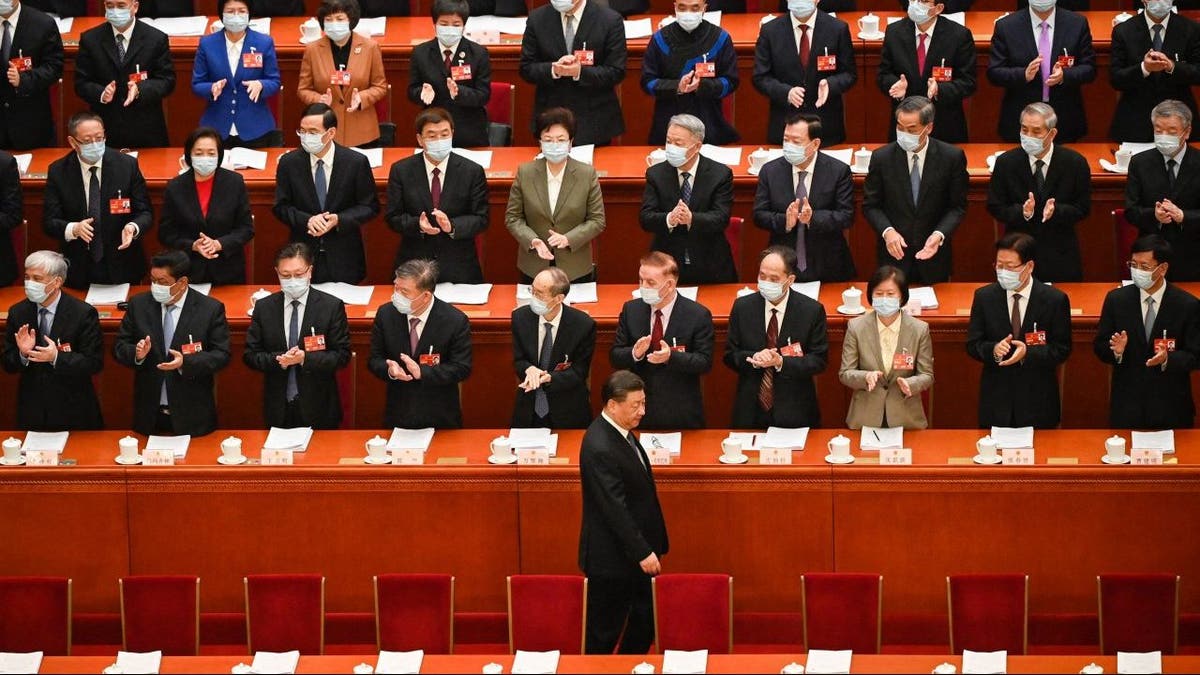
{"x": 1147, "y": 184}
{"x": 350, "y": 194}
{"x": 622, "y": 519}
{"x": 267, "y": 338}
{"x": 1025, "y": 393}
{"x": 469, "y": 108}
{"x": 61, "y": 396}
{"x": 593, "y": 98}
{"x": 673, "y": 395}
{"x": 27, "y": 119}
{"x": 949, "y": 41}
{"x": 464, "y": 200}
{"x": 12, "y": 216}
{"x": 63, "y": 8}
{"x": 228, "y": 221}
{"x": 830, "y": 6}
{"x": 1014, "y": 45}
{"x": 567, "y": 391}
{"x": 941, "y": 204}
{"x": 167, "y": 8}
{"x": 795, "y": 393}
{"x": 1068, "y": 183}
{"x": 777, "y": 69}
{"x": 832, "y": 200}
{"x": 431, "y": 401}
{"x": 142, "y": 124}
{"x": 701, "y": 250}
{"x": 1150, "y": 398}
{"x": 66, "y": 203}
{"x": 498, "y": 7}
{"x": 1131, "y": 40}
{"x": 190, "y": 388}
{"x": 385, "y": 8}
{"x": 277, "y": 8}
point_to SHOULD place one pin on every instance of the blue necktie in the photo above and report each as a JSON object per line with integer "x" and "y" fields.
{"x": 1157, "y": 37}
{"x": 168, "y": 337}
{"x": 95, "y": 213}
{"x": 293, "y": 338}
{"x": 44, "y": 322}
{"x": 541, "y": 406}
{"x": 319, "y": 182}
{"x": 914, "y": 178}
{"x": 685, "y": 188}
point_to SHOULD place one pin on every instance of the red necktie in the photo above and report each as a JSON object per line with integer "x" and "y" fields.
{"x": 805, "y": 46}
{"x": 435, "y": 188}
{"x": 766, "y": 388}
{"x": 446, "y": 53}
{"x": 656, "y": 334}
{"x": 921, "y": 55}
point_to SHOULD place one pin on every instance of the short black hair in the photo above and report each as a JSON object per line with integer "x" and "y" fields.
{"x": 896, "y": 275}
{"x": 553, "y": 116}
{"x": 423, "y": 272}
{"x": 787, "y": 253}
{"x": 1020, "y": 243}
{"x": 812, "y": 123}
{"x": 295, "y": 249}
{"x": 1153, "y": 243}
{"x": 81, "y": 117}
{"x": 457, "y": 8}
{"x": 432, "y": 115}
{"x": 221, "y": 6}
{"x": 328, "y": 117}
{"x": 350, "y": 7}
{"x": 174, "y": 260}
{"x": 197, "y": 134}
{"x": 619, "y": 385}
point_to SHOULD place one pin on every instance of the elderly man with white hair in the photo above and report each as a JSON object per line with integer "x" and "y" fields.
{"x": 686, "y": 206}
{"x": 53, "y": 342}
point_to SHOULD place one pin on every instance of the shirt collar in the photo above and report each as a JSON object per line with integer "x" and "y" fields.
{"x": 623, "y": 431}
{"x": 1036, "y": 20}
{"x": 883, "y": 327}
{"x": 578, "y": 14}
{"x": 128, "y": 32}
{"x": 781, "y": 307}
{"x": 928, "y": 33}
{"x": 811, "y": 22}
{"x": 556, "y": 321}
{"x": 1033, "y": 159}
{"x": 430, "y": 165}
{"x": 178, "y": 303}
{"x": 1150, "y": 22}
{"x": 1025, "y": 291}
{"x": 1178, "y": 157}
{"x": 53, "y": 307}
{"x": 1157, "y": 295}
{"x": 12, "y": 20}
{"x": 303, "y": 299}
{"x": 453, "y": 49}
{"x": 423, "y": 317}
{"x": 327, "y": 157}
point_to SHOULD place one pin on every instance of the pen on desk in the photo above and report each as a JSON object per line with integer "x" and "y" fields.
{"x": 876, "y": 435}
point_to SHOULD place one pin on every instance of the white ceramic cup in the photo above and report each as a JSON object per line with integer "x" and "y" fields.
{"x": 310, "y": 30}
{"x": 12, "y": 450}
{"x": 501, "y": 447}
{"x": 376, "y": 447}
{"x": 986, "y": 447}
{"x": 644, "y": 668}
{"x": 1123, "y": 157}
{"x": 128, "y": 446}
{"x": 656, "y": 156}
{"x": 839, "y": 446}
{"x": 731, "y": 448}
{"x": 862, "y": 159}
{"x": 852, "y": 298}
{"x": 231, "y": 447}
{"x": 869, "y": 24}
{"x": 758, "y": 158}
{"x": 1115, "y": 447}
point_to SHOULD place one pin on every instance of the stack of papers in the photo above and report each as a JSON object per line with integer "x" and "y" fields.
{"x": 23, "y": 162}
{"x": 371, "y": 26}
{"x": 275, "y": 663}
{"x": 245, "y": 158}
{"x": 926, "y": 295}
{"x": 1154, "y": 440}
{"x": 583, "y": 153}
{"x": 677, "y": 661}
{"x": 579, "y": 293}
{"x": 178, "y": 445}
{"x": 845, "y": 156}
{"x": 107, "y": 294}
{"x": 53, "y": 441}
{"x": 288, "y": 439}
{"x": 728, "y": 156}
{"x": 638, "y": 28}
{"x": 1013, "y": 437}
{"x": 202, "y": 289}
{"x": 984, "y": 662}
{"x": 535, "y": 663}
{"x": 180, "y": 26}
{"x": 878, "y": 438}
{"x": 779, "y": 437}
{"x": 410, "y": 439}
{"x": 670, "y": 441}
{"x": 139, "y": 662}
{"x": 463, "y": 294}
{"x": 64, "y": 25}
{"x": 20, "y": 662}
{"x": 1135, "y": 148}
{"x": 533, "y": 438}
{"x": 688, "y": 292}
{"x": 374, "y": 156}
{"x": 347, "y": 293}
{"x": 399, "y": 663}
{"x": 826, "y": 661}
{"x": 1139, "y": 662}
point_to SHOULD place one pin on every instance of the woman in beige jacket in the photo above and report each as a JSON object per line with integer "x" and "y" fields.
{"x": 887, "y": 358}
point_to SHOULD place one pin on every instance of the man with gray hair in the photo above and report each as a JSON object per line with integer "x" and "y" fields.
{"x": 1154, "y": 59}
{"x": 1162, "y": 195}
{"x": 686, "y": 206}
{"x": 53, "y": 342}
{"x": 1043, "y": 190}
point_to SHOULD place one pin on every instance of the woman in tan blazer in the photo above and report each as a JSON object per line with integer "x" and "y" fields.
{"x": 887, "y": 358}
{"x": 354, "y": 100}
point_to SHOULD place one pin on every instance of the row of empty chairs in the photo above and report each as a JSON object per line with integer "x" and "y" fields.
{"x": 987, "y": 612}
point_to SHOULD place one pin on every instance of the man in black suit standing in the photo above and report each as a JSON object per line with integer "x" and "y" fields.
{"x": 573, "y": 51}
{"x": 421, "y": 347}
{"x": 777, "y": 345}
{"x": 463, "y": 87}
{"x": 97, "y": 206}
{"x": 806, "y": 201}
{"x": 438, "y": 202}
{"x": 299, "y": 338}
{"x": 623, "y": 536}
{"x": 1155, "y": 58}
{"x": 669, "y": 350}
{"x": 924, "y": 56}
{"x": 552, "y": 356}
{"x": 1020, "y": 329}
{"x": 53, "y": 341}
{"x": 26, "y": 33}
{"x": 123, "y": 71}
{"x": 1044, "y": 190}
{"x": 1162, "y": 194}
{"x": 916, "y": 195}
{"x": 325, "y": 194}
{"x": 12, "y": 216}
{"x": 176, "y": 342}
{"x": 804, "y": 62}
{"x": 1044, "y": 54}
{"x": 686, "y": 206}
{"x": 1150, "y": 333}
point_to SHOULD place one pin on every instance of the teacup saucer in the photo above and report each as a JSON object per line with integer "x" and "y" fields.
{"x": 853, "y": 311}
{"x": 231, "y": 461}
{"x": 1108, "y": 459}
{"x": 128, "y": 461}
{"x": 494, "y": 459}
{"x": 739, "y": 459}
{"x": 4, "y": 461}
{"x": 870, "y": 36}
{"x": 861, "y": 172}
{"x": 1112, "y": 167}
{"x": 377, "y": 460}
{"x": 848, "y": 459}
{"x": 980, "y": 459}
{"x": 754, "y": 171}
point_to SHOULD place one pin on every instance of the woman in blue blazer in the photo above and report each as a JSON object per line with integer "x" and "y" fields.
{"x": 237, "y": 92}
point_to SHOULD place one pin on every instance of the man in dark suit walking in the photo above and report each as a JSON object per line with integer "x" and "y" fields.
{"x": 777, "y": 345}
{"x": 553, "y": 345}
{"x": 669, "y": 350}
{"x": 1043, "y": 189}
{"x": 53, "y": 342}
{"x": 1149, "y": 333}
{"x": 686, "y": 206}
{"x": 806, "y": 201}
{"x": 1042, "y": 56}
{"x": 438, "y": 202}
{"x": 299, "y": 338}
{"x": 623, "y": 537}
{"x": 463, "y": 87}
{"x": 915, "y": 196}
{"x": 1155, "y": 58}
{"x": 26, "y": 121}
{"x": 325, "y": 194}
{"x": 12, "y": 216}
{"x": 1020, "y": 329}
{"x": 574, "y": 53}
{"x": 176, "y": 342}
{"x": 804, "y": 62}
{"x": 97, "y": 206}
{"x": 420, "y": 347}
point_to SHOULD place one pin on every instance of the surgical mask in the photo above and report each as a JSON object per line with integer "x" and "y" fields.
{"x": 235, "y": 23}
{"x": 448, "y": 35}
{"x": 438, "y": 150}
{"x": 918, "y": 12}
{"x": 295, "y": 287}
{"x": 650, "y": 296}
{"x": 36, "y": 291}
{"x": 92, "y": 152}
{"x": 312, "y": 143}
{"x": 337, "y": 30}
{"x": 689, "y": 21}
{"x": 885, "y": 305}
{"x": 401, "y": 303}
{"x": 540, "y": 308}
{"x": 676, "y": 156}
{"x": 1041, "y": 5}
{"x": 562, "y": 6}
{"x": 1143, "y": 279}
{"x": 204, "y": 166}
{"x": 1009, "y": 280}
{"x": 1158, "y": 8}
{"x": 1032, "y": 145}
{"x": 118, "y": 17}
{"x": 161, "y": 293}
{"x": 795, "y": 154}
{"x": 771, "y": 290}
{"x": 555, "y": 152}
{"x": 6, "y": 7}
{"x": 909, "y": 142}
{"x": 801, "y": 8}
{"x": 1167, "y": 144}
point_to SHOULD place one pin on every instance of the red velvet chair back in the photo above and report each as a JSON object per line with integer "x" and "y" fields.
{"x": 693, "y": 611}
{"x": 500, "y": 105}
{"x": 547, "y": 611}
{"x": 988, "y": 612}
{"x": 285, "y": 612}
{"x": 35, "y": 615}
{"x": 383, "y": 107}
{"x": 161, "y": 612}
{"x": 733, "y": 235}
{"x": 1126, "y": 233}
{"x": 347, "y": 391}
{"x": 1138, "y": 613}
{"x": 842, "y": 611}
{"x": 414, "y": 611}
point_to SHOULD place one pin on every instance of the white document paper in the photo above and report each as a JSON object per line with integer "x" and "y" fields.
{"x": 527, "y": 437}
{"x": 20, "y": 662}
{"x": 509, "y": 25}
{"x": 53, "y": 441}
{"x": 181, "y": 26}
{"x": 399, "y": 663}
{"x": 638, "y": 28}
{"x": 295, "y": 439}
{"x": 535, "y": 663}
{"x": 926, "y": 295}
{"x": 779, "y": 437}
{"x": 1138, "y": 663}
{"x": 139, "y": 662}
{"x": 374, "y": 155}
{"x": 1154, "y": 440}
{"x": 893, "y": 19}
{"x": 845, "y": 156}
{"x": 670, "y": 441}
{"x": 877, "y": 438}
{"x": 959, "y": 18}
{"x": 481, "y": 157}
{"x": 811, "y": 289}
{"x": 275, "y": 663}
{"x": 262, "y": 25}
{"x": 1013, "y": 437}
{"x": 583, "y": 153}
{"x": 371, "y": 26}
{"x": 23, "y": 162}
{"x": 407, "y": 439}
{"x": 688, "y": 292}
{"x": 245, "y": 158}
{"x": 679, "y": 661}
{"x": 828, "y": 661}
{"x": 347, "y": 293}
{"x": 202, "y": 289}
{"x": 463, "y": 294}
{"x": 548, "y": 441}
{"x": 64, "y": 25}
{"x": 107, "y": 294}
{"x": 984, "y": 662}
{"x": 1135, "y": 148}
{"x": 728, "y": 156}
{"x": 178, "y": 445}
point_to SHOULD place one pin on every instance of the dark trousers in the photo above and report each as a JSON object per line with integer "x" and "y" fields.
{"x": 162, "y": 422}
{"x": 615, "y": 604}
{"x": 292, "y": 415}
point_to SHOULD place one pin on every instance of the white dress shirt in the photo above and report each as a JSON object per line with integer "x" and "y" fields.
{"x": 327, "y": 158}
{"x": 12, "y": 25}
{"x": 1036, "y": 22}
{"x": 928, "y": 36}
{"x": 554, "y": 185}
{"x": 1157, "y": 295}
{"x": 780, "y": 310}
{"x": 1025, "y": 293}
{"x": 429, "y": 167}
{"x": 127, "y": 33}
{"x": 811, "y": 22}
{"x": 541, "y": 331}
{"x": 808, "y": 176}
{"x": 1033, "y": 160}
{"x": 287, "y": 316}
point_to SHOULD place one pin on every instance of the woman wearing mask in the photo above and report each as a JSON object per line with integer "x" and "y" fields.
{"x": 212, "y": 230}
{"x": 887, "y": 358}
{"x": 464, "y": 86}
{"x": 345, "y": 72}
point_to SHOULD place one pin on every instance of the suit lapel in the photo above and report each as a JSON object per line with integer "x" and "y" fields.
{"x": 908, "y": 46}
{"x": 870, "y": 352}
{"x": 154, "y": 319}
{"x": 541, "y": 175}
{"x": 568, "y": 184}
{"x": 559, "y": 41}
{"x": 932, "y": 155}
{"x": 420, "y": 181}
{"x": 109, "y": 42}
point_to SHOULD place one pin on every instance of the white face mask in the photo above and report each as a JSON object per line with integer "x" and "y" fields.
{"x": 118, "y": 17}
{"x": 918, "y": 12}
{"x": 449, "y": 35}
{"x": 909, "y": 142}
{"x": 204, "y": 166}
{"x": 401, "y": 303}
{"x": 689, "y": 21}
{"x": 1143, "y": 279}
{"x": 92, "y": 152}
{"x": 1167, "y": 144}
{"x": 1159, "y": 8}
{"x": 650, "y": 296}
{"x": 295, "y": 287}
{"x": 562, "y": 6}
{"x": 6, "y": 7}
{"x": 36, "y": 291}
{"x": 1009, "y": 280}
{"x": 676, "y": 155}
{"x": 801, "y": 8}
{"x": 235, "y": 23}
{"x": 438, "y": 150}
{"x": 337, "y": 30}
{"x": 795, "y": 154}
{"x": 539, "y": 308}
{"x": 312, "y": 143}
{"x": 1041, "y": 5}
{"x": 885, "y": 306}
{"x": 556, "y": 152}
{"x": 1032, "y": 146}
{"x": 771, "y": 290}
{"x": 161, "y": 293}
